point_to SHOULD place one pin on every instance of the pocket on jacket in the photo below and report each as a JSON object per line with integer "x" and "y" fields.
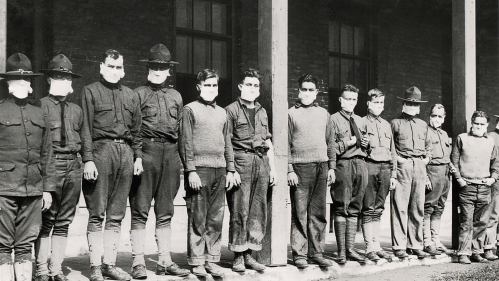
{"x": 103, "y": 115}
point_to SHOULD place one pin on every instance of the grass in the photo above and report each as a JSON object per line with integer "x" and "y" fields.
{"x": 488, "y": 273}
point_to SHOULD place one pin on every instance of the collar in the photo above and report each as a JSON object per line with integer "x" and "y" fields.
{"x": 373, "y": 117}
{"x": 55, "y": 100}
{"x": 257, "y": 105}
{"x": 408, "y": 117}
{"x": 19, "y": 102}
{"x": 486, "y": 135}
{"x": 438, "y": 130}
{"x": 156, "y": 87}
{"x": 299, "y": 104}
{"x": 212, "y": 103}
{"x": 110, "y": 85}
{"x": 346, "y": 115}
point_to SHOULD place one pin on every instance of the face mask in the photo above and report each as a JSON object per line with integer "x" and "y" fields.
{"x": 111, "y": 75}
{"x": 306, "y": 99}
{"x": 208, "y": 94}
{"x": 346, "y": 105}
{"x": 249, "y": 94}
{"x": 410, "y": 110}
{"x": 479, "y": 132}
{"x": 60, "y": 88}
{"x": 375, "y": 109}
{"x": 19, "y": 88}
{"x": 497, "y": 126}
{"x": 158, "y": 77}
{"x": 436, "y": 122}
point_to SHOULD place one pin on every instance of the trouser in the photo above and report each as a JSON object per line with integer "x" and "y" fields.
{"x": 308, "y": 205}
{"x": 407, "y": 205}
{"x": 107, "y": 196}
{"x": 350, "y": 186}
{"x": 435, "y": 201}
{"x": 474, "y": 200}
{"x": 248, "y": 202}
{"x": 492, "y": 226}
{"x": 20, "y": 222}
{"x": 205, "y": 211}
{"x": 378, "y": 186}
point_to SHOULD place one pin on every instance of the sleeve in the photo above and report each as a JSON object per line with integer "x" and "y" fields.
{"x": 455, "y": 156}
{"x": 87, "y": 107}
{"x": 229, "y": 152}
{"x": 428, "y": 145}
{"x": 290, "y": 138}
{"x": 179, "y": 121}
{"x": 393, "y": 162}
{"x": 340, "y": 144}
{"x": 47, "y": 160}
{"x": 186, "y": 145}
{"x": 494, "y": 163}
{"x": 135, "y": 130}
{"x": 331, "y": 148}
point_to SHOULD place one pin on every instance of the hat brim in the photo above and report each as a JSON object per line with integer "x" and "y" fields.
{"x": 17, "y": 73}
{"x": 160, "y": 62}
{"x": 50, "y": 71}
{"x": 404, "y": 99}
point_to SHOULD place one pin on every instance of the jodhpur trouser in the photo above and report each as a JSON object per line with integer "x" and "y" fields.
{"x": 205, "y": 211}
{"x": 107, "y": 196}
{"x": 407, "y": 205}
{"x": 435, "y": 199}
{"x": 20, "y": 221}
{"x": 492, "y": 226}
{"x": 474, "y": 200}
{"x": 350, "y": 186}
{"x": 248, "y": 202}
{"x": 308, "y": 210}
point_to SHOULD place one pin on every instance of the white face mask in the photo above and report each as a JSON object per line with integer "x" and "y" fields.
{"x": 158, "y": 77}
{"x": 19, "y": 88}
{"x": 375, "y": 108}
{"x": 60, "y": 88}
{"x": 436, "y": 122}
{"x": 249, "y": 92}
{"x": 347, "y": 105}
{"x": 112, "y": 74}
{"x": 306, "y": 98}
{"x": 208, "y": 93}
{"x": 410, "y": 110}
{"x": 497, "y": 126}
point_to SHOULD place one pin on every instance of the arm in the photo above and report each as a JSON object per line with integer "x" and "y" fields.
{"x": 494, "y": 163}
{"x": 455, "y": 156}
{"x": 290, "y": 138}
{"x": 229, "y": 152}
{"x": 48, "y": 167}
{"x": 428, "y": 147}
{"x": 87, "y": 107}
{"x": 186, "y": 141}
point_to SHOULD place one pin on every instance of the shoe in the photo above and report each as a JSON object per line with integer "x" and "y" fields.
{"x": 478, "y": 258}
{"x": 432, "y": 250}
{"x": 115, "y": 273}
{"x": 340, "y": 232}
{"x": 444, "y": 250}
{"x": 199, "y": 270}
{"x": 372, "y": 256}
{"x": 400, "y": 254}
{"x": 214, "y": 269}
{"x": 238, "y": 264}
{"x": 322, "y": 262}
{"x": 464, "y": 259}
{"x": 301, "y": 263}
{"x": 139, "y": 272}
{"x": 172, "y": 269}
{"x": 418, "y": 252}
{"x": 96, "y": 273}
{"x": 43, "y": 277}
{"x": 489, "y": 255}
{"x": 350, "y": 241}
{"x": 59, "y": 277}
{"x": 250, "y": 262}
{"x": 384, "y": 255}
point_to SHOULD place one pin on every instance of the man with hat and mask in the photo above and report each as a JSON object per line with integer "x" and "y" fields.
{"x": 26, "y": 170}
{"x": 161, "y": 108}
{"x": 66, "y": 119}
{"x": 110, "y": 143}
{"x": 414, "y": 151}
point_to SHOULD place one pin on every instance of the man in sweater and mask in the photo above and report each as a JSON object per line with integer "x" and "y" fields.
{"x": 161, "y": 108}
{"x": 66, "y": 120}
{"x": 476, "y": 160}
{"x": 206, "y": 152}
{"x": 254, "y": 163}
{"x": 414, "y": 151}
{"x": 110, "y": 142}
{"x": 382, "y": 173}
{"x": 351, "y": 142}
{"x": 312, "y": 160}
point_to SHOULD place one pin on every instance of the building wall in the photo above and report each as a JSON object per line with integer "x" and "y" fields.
{"x": 487, "y": 74}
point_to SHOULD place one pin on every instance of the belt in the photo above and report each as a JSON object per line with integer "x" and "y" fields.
{"x": 377, "y": 162}
{"x": 355, "y": 157}
{"x": 64, "y": 156}
{"x": 415, "y": 157}
{"x": 119, "y": 140}
{"x": 441, "y": 164}
{"x": 162, "y": 140}
{"x": 260, "y": 151}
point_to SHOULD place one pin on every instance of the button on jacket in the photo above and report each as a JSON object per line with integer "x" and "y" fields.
{"x": 26, "y": 163}
{"x": 410, "y": 137}
{"x": 441, "y": 144}
{"x": 110, "y": 111}
{"x": 73, "y": 120}
{"x": 381, "y": 145}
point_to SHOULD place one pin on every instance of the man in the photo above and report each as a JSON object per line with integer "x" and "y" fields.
{"x": 110, "y": 142}
{"x": 492, "y": 226}
{"x": 254, "y": 164}
{"x": 310, "y": 171}
{"x": 407, "y": 200}
{"x": 381, "y": 163}
{"x": 206, "y": 153}
{"x": 476, "y": 159}
{"x": 161, "y": 108}
{"x": 66, "y": 120}
{"x": 351, "y": 142}
{"x": 26, "y": 170}
{"x": 438, "y": 184}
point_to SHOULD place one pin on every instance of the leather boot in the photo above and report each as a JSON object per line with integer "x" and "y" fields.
{"x": 351, "y": 230}
{"x": 41, "y": 256}
{"x": 23, "y": 270}
{"x": 58, "y": 253}
{"x": 250, "y": 262}
{"x": 340, "y": 232}
{"x": 137, "y": 238}
{"x": 95, "y": 248}
{"x": 115, "y": 273}
{"x": 112, "y": 238}
{"x": 96, "y": 273}
{"x": 7, "y": 272}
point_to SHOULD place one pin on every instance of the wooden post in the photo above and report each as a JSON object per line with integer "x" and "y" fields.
{"x": 273, "y": 65}
{"x": 3, "y": 34}
{"x": 463, "y": 81}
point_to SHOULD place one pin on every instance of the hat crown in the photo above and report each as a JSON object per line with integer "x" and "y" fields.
{"x": 413, "y": 93}
{"x": 60, "y": 62}
{"x": 160, "y": 54}
{"x": 18, "y": 62}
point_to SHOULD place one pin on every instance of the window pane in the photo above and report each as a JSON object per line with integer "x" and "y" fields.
{"x": 334, "y": 38}
{"x": 184, "y": 54}
{"x": 346, "y": 39}
{"x": 359, "y": 37}
{"x": 361, "y": 75}
{"x": 184, "y": 13}
{"x": 334, "y": 72}
{"x": 347, "y": 72}
{"x": 219, "y": 18}
{"x": 219, "y": 58}
{"x": 202, "y": 15}
{"x": 202, "y": 51}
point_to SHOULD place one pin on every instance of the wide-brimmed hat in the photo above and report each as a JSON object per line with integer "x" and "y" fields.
{"x": 18, "y": 65}
{"x": 159, "y": 54}
{"x": 60, "y": 64}
{"x": 413, "y": 94}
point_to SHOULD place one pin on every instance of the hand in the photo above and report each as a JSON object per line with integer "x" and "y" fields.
{"x": 229, "y": 181}
{"x": 292, "y": 179}
{"x": 137, "y": 167}
{"x": 90, "y": 171}
{"x": 331, "y": 177}
{"x": 237, "y": 179}
{"x": 194, "y": 181}
{"x": 46, "y": 201}
{"x": 428, "y": 185}
{"x": 273, "y": 178}
{"x": 461, "y": 182}
{"x": 393, "y": 183}
{"x": 489, "y": 181}
{"x": 426, "y": 160}
{"x": 352, "y": 141}
{"x": 364, "y": 142}
{"x": 452, "y": 169}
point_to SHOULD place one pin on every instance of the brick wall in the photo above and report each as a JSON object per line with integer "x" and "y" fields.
{"x": 487, "y": 74}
